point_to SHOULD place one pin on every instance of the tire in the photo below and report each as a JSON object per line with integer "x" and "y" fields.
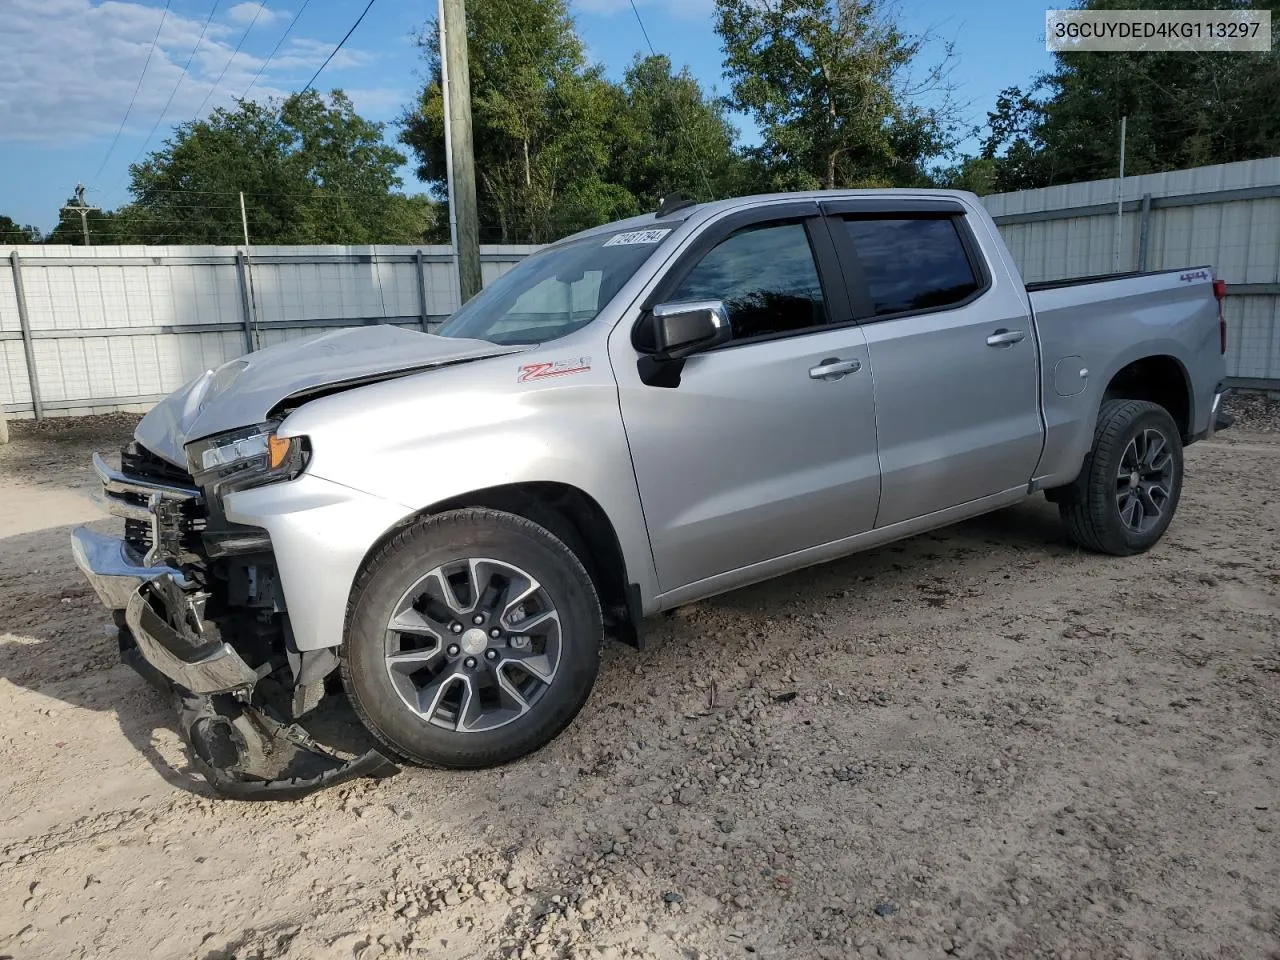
{"x": 425, "y": 716}
{"x": 1097, "y": 508}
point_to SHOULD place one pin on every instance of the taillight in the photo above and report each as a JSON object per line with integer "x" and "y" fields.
{"x": 1220, "y": 293}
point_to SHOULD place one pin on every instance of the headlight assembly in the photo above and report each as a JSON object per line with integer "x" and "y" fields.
{"x": 247, "y": 457}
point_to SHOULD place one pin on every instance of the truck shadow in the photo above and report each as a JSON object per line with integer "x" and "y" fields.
{"x": 55, "y": 639}
{"x": 994, "y": 541}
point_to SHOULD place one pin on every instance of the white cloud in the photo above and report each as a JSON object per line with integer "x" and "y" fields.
{"x": 256, "y": 13}
{"x": 68, "y": 68}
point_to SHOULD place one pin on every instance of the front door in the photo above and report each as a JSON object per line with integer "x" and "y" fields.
{"x": 952, "y": 353}
{"x": 766, "y": 445}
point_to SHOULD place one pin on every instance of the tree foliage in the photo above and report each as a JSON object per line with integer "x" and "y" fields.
{"x": 13, "y": 232}
{"x": 558, "y": 146}
{"x": 829, "y": 84}
{"x": 312, "y": 171}
{"x": 1183, "y": 110}
{"x": 671, "y": 137}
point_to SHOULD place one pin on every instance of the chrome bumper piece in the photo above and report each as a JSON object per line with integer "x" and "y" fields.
{"x": 123, "y": 583}
{"x": 1218, "y": 418}
{"x": 241, "y": 749}
{"x": 113, "y": 570}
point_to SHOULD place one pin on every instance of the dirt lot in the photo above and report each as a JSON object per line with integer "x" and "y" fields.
{"x": 981, "y": 742}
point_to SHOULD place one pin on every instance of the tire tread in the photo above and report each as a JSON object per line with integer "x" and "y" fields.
{"x": 1086, "y": 503}
{"x": 480, "y": 518}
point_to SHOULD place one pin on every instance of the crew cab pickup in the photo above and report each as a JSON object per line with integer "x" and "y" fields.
{"x": 636, "y": 417}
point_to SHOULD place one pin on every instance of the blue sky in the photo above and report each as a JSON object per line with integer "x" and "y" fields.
{"x": 69, "y": 68}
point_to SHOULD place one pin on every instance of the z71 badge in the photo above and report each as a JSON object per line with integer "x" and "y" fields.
{"x": 553, "y": 368}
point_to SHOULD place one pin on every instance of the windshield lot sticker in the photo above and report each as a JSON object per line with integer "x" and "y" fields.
{"x": 636, "y": 236}
{"x": 553, "y": 368}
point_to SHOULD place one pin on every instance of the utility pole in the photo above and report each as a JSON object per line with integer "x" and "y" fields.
{"x": 455, "y": 83}
{"x": 79, "y": 206}
{"x": 244, "y": 221}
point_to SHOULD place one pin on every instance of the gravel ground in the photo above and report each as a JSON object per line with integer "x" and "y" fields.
{"x": 979, "y": 742}
{"x": 1255, "y": 412}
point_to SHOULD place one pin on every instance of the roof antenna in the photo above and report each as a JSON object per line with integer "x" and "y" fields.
{"x": 673, "y": 203}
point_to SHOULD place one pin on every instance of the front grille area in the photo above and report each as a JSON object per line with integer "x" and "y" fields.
{"x": 181, "y": 524}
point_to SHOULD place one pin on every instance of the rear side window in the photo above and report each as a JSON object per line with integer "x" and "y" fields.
{"x": 912, "y": 264}
{"x": 766, "y": 277}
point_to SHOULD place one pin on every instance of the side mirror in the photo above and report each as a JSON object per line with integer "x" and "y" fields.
{"x": 683, "y": 329}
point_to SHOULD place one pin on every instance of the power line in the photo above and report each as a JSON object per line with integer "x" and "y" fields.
{"x": 227, "y": 66}
{"x": 146, "y": 63}
{"x": 338, "y": 47}
{"x": 275, "y": 49}
{"x": 182, "y": 76}
{"x": 706, "y": 182}
{"x": 643, "y": 31}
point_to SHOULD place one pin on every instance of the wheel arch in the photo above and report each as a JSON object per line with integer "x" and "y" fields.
{"x": 1158, "y": 378}
{"x": 574, "y": 517}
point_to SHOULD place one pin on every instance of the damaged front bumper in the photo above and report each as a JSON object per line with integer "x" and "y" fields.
{"x": 240, "y": 748}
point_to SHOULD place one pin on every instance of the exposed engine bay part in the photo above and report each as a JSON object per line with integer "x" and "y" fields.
{"x": 199, "y": 614}
{"x": 242, "y": 751}
{"x": 245, "y": 754}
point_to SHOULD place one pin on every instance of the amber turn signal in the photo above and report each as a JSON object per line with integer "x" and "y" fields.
{"x": 277, "y": 450}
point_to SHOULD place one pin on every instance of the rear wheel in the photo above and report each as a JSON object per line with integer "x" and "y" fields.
{"x": 1126, "y": 495}
{"x": 473, "y": 639}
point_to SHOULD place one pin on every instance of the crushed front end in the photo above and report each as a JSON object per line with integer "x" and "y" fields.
{"x": 200, "y": 610}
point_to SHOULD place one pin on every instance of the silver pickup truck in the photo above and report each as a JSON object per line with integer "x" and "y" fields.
{"x": 634, "y": 418}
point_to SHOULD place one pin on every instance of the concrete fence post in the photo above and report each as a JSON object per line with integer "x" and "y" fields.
{"x": 242, "y": 272}
{"x": 24, "y": 321}
{"x": 421, "y": 270}
{"x": 1143, "y": 232}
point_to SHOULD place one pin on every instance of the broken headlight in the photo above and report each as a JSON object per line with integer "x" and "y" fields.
{"x": 247, "y": 457}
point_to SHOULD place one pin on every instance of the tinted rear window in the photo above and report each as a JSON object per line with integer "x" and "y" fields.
{"x": 914, "y": 264}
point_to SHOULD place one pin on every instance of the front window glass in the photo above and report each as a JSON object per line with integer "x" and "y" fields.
{"x": 555, "y": 291}
{"x": 766, "y": 276}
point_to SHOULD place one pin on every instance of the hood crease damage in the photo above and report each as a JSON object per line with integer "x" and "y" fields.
{"x": 286, "y": 375}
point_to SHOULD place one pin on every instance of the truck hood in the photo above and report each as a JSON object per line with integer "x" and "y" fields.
{"x": 243, "y": 392}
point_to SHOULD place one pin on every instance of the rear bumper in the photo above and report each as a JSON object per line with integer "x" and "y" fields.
{"x": 1219, "y": 419}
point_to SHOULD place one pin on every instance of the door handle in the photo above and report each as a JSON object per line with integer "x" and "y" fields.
{"x": 1005, "y": 338}
{"x": 833, "y": 368}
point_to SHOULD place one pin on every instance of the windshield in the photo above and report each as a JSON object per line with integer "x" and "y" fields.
{"x": 555, "y": 291}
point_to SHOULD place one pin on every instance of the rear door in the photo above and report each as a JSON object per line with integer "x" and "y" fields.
{"x": 764, "y": 446}
{"x": 953, "y": 355}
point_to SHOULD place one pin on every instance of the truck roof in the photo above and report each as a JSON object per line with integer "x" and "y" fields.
{"x": 704, "y": 211}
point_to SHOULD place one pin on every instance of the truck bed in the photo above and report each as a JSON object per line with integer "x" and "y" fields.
{"x": 1041, "y": 285}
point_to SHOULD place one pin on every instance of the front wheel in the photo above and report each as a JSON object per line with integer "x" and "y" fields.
{"x": 473, "y": 639}
{"x": 1126, "y": 495}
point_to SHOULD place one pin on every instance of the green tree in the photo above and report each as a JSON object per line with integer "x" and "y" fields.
{"x": 542, "y": 122}
{"x": 1012, "y": 154}
{"x": 13, "y": 232}
{"x": 827, "y": 82}
{"x": 671, "y": 137}
{"x": 312, "y": 171}
{"x": 1183, "y": 109}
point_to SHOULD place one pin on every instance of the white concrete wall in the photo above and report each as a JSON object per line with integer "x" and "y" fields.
{"x": 116, "y": 328}
{"x": 1239, "y": 238}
